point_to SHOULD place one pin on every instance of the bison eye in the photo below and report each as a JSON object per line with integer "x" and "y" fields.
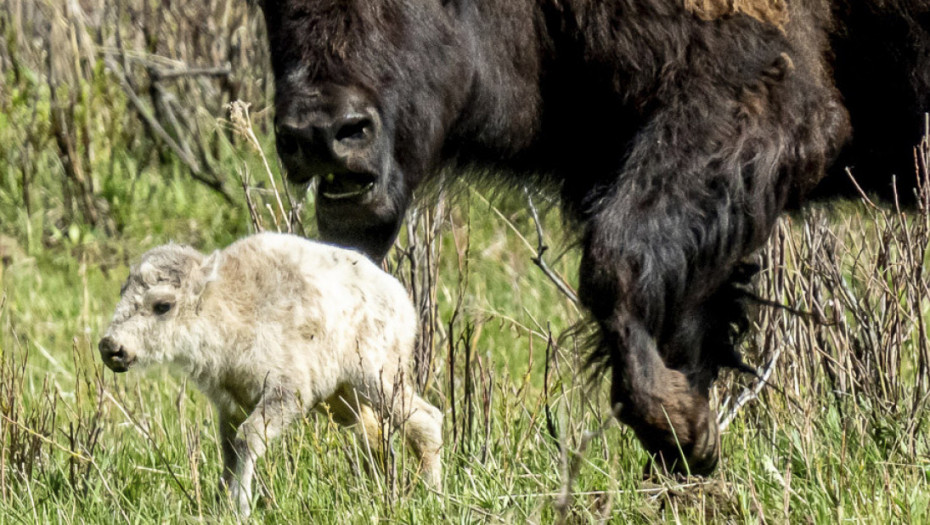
{"x": 161, "y": 307}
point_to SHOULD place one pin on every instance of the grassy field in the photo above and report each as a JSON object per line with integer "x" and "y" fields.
{"x": 105, "y": 153}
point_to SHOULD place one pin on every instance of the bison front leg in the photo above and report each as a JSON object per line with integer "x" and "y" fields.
{"x": 670, "y": 416}
{"x": 658, "y": 272}
{"x": 228, "y": 426}
{"x": 275, "y": 411}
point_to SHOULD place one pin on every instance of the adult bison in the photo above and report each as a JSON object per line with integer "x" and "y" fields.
{"x": 676, "y": 132}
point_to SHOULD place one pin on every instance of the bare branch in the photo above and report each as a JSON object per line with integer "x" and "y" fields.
{"x": 572, "y": 465}
{"x": 862, "y": 193}
{"x": 173, "y": 74}
{"x": 242, "y": 122}
{"x": 159, "y": 132}
{"x": 541, "y": 249}
{"x": 750, "y": 392}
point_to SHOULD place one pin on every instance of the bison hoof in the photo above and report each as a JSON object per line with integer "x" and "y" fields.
{"x": 690, "y": 448}
{"x": 681, "y": 461}
{"x": 675, "y": 424}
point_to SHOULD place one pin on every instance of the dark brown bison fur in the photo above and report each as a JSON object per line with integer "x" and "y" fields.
{"x": 882, "y": 68}
{"x": 675, "y": 131}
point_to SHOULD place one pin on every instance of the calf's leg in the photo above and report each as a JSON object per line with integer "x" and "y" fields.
{"x": 419, "y": 422}
{"x": 423, "y": 433}
{"x": 349, "y": 409}
{"x": 228, "y": 425}
{"x": 277, "y": 409}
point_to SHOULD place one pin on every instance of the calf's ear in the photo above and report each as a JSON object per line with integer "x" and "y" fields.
{"x": 149, "y": 273}
{"x": 206, "y": 273}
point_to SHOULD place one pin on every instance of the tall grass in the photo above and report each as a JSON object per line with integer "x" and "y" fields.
{"x": 116, "y": 135}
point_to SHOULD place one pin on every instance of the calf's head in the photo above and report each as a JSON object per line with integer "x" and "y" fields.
{"x": 161, "y": 293}
{"x": 365, "y": 91}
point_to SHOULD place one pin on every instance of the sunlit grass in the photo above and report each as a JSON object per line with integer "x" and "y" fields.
{"x": 839, "y": 435}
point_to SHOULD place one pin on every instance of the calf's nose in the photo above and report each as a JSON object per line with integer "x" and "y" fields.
{"x": 113, "y": 354}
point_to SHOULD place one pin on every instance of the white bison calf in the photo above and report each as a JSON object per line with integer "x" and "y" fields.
{"x": 269, "y": 328}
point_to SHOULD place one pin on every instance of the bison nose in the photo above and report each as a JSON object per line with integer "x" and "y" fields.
{"x": 333, "y": 141}
{"x": 352, "y": 132}
{"x": 339, "y": 146}
{"x": 295, "y": 138}
{"x": 114, "y": 355}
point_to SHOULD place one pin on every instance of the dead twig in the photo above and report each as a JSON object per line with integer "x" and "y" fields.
{"x": 172, "y": 74}
{"x": 156, "y": 129}
{"x": 541, "y": 248}
{"x": 572, "y": 465}
{"x": 751, "y": 392}
{"x": 242, "y": 124}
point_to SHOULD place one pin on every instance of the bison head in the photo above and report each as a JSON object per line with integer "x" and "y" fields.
{"x": 157, "y": 299}
{"x": 365, "y": 92}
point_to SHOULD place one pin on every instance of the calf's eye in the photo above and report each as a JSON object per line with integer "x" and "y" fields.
{"x": 161, "y": 307}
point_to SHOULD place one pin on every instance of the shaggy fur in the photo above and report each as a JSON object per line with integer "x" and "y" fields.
{"x": 676, "y": 131}
{"x": 882, "y": 67}
{"x": 272, "y": 327}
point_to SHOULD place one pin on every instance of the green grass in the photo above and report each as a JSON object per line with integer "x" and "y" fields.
{"x": 840, "y": 435}
{"x": 145, "y": 446}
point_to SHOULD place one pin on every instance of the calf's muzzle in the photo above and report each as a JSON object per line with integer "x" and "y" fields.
{"x": 114, "y": 355}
